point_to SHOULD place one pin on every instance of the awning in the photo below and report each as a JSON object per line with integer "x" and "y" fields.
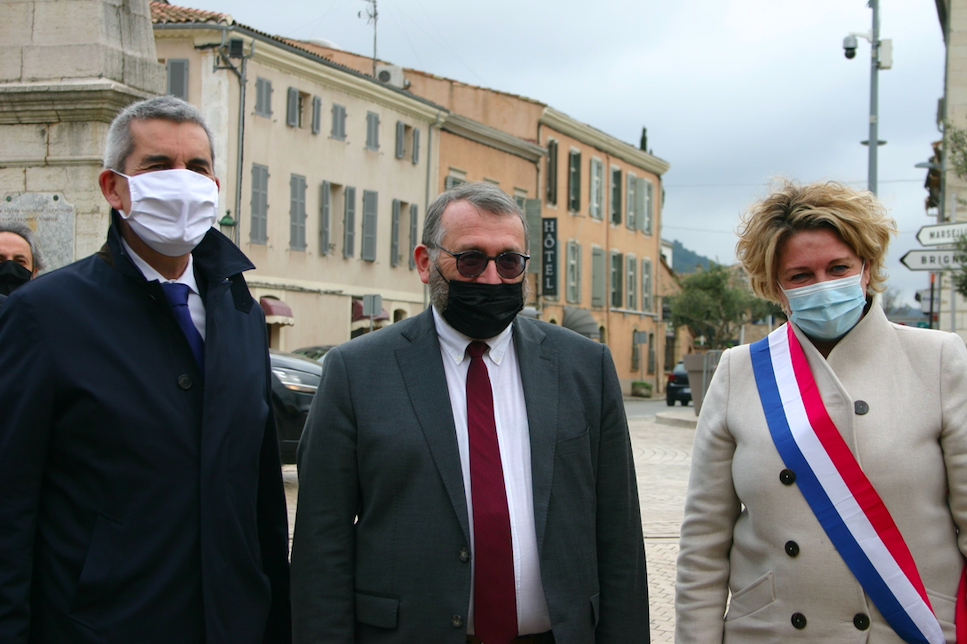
{"x": 581, "y": 321}
{"x": 358, "y": 312}
{"x": 276, "y": 311}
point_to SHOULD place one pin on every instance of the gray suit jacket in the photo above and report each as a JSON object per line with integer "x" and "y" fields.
{"x": 382, "y": 531}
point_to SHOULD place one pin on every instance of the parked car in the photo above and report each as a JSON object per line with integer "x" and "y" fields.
{"x": 295, "y": 379}
{"x": 317, "y": 353}
{"x": 677, "y": 387}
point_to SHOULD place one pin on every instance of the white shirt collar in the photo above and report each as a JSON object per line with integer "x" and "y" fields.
{"x": 455, "y": 344}
{"x": 151, "y": 275}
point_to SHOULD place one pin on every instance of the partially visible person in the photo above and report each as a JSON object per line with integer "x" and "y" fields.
{"x": 20, "y": 256}
{"x": 142, "y": 495}
{"x": 828, "y": 488}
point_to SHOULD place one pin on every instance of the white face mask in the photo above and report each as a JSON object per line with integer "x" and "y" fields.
{"x": 171, "y": 210}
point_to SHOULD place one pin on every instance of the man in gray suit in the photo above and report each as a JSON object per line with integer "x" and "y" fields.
{"x": 453, "y": 490}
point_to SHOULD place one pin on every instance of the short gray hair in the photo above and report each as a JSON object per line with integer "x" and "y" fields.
{"x": 120, "y": 143}
{"x": 485, "y": 196}
{"x": 30, "y": 237}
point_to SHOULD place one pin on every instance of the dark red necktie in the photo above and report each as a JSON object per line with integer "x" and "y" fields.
{"x": 494, "y": 588}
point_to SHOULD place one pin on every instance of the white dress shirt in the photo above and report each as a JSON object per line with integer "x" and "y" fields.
{"x": 195, "y": 305}
{"x": 513, "y": 437}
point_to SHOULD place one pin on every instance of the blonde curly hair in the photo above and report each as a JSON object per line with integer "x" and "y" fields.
{"x": 857, "y": 217}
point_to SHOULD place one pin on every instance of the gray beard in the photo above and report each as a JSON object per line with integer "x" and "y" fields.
{"x": 440, "y": 289}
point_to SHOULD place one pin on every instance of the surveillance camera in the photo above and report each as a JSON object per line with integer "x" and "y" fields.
{"x": 849, "y": 46}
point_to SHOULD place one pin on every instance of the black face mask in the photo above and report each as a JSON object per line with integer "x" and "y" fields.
{"x": 482, "y": 311}
{"x": 12, "y": 275}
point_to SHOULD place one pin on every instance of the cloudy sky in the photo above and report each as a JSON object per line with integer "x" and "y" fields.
{"x": 733, "y": 92}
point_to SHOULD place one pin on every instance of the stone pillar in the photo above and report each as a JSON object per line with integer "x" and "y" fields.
{"x": 66, "y": 68}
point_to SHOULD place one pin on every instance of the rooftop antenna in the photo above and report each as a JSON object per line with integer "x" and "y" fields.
{"x": 372, "y": 15}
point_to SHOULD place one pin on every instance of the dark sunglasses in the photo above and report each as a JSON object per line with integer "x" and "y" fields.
{"x": 471, "y": 263}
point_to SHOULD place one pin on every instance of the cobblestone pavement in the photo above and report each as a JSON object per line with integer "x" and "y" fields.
{"x": 662, "y": 455}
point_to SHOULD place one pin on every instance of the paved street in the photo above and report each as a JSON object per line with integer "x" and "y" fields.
{"x": 662, "y": 453}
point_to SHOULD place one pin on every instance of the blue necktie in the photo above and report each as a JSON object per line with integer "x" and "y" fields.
{"x": 177, "y": 295}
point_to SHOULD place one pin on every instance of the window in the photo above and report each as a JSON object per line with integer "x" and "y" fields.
{"x": 325, "y": 218}
{"x": 631, "y": 268}
{"x": 451, "y": 181}
{"x": 177, "y": 69}
{"x": 414, "y": 226}
{"x": 394, "y": 245}
{"x": 338, "y": 122}
{"x": 615, "y": 195}
{"x": 573, "y": 277}
{"x": 597, "y": 189}
{"x": 368, "y": 247}
{"x": 574, "y": 181}
{"x": 651, "y": 353}
{"x": 646, "y": 190}
{"x": 597, "y": 277}
{"x": 316, "y": 114}
{"x": 260, "y": 204}
{"x": 372, "y": 131}
{"x": 349, "y": 223}
{"x": 297, "y": 212}
{"x": 616, "y": 275}
{"x": 263, "y": 97}
{"x": 400, "y": 139}
{"x": 552, "y": 172}
{"x": 416, "y": 146}
{"x": 632, "y": 202}
{"x": 647, "y": 300}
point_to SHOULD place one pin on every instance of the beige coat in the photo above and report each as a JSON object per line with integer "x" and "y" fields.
{"x": 749, "y": 534}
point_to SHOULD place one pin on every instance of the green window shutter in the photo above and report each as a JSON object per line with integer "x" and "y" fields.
{"x": 368, "y": 246}
{"x": 631, "y": 268}
{"x": 325, "y": 216}
{"x": 394, "y": 246}
{"x": 259, "y": 204}
{"x": 574, "y": 181}
{"x": 598, "y": 277}
{"x": 297, "y": 212}
{"x": 616, "y": 196}
{"x": 414, "y": 232}
{"x": 349, "y": 223}
{"x": 642, "y": 204}
{"x": 616, "y": 279}
{"x": 416, "y": 145}
{"x": 632, "y": 201}
{"x": 338, "y": 122}
{"x": 292, "y": 108}
{"x": 316, "y": 114}
{"x": 400, "y": 139}
{"x": 552, "y": 172}
{"x": 646, "y": 296}
{"x": 532, "y": 213}
{"x": 177, "y": 69}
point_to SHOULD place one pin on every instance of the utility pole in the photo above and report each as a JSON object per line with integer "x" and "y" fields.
{"x": 373, "y": 15}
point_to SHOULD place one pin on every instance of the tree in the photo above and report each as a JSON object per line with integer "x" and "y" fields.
{"x": 959, "y": 276}
{"x": 712, "y": 304}
{"x": 955, "y": 142}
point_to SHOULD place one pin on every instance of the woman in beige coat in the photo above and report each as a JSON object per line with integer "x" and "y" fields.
{"x": 755, "y": 564}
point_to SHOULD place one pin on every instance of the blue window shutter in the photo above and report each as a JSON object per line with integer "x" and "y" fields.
{"x": 368, "y": 248}
{"x": 394, "y": 247}
{"x": 325, "y": 214}
{"x": 414, "y": 231}
{"x": 349, "y": 223}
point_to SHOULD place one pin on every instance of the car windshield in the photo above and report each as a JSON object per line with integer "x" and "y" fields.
{"x": 680, "y": 369}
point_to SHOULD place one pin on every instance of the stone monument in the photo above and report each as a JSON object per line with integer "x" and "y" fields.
{"x": 66, "y": 68}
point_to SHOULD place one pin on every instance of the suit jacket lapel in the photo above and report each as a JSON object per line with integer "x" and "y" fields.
{"x": 539, "y": 374}
{"x": 426, "y": 383}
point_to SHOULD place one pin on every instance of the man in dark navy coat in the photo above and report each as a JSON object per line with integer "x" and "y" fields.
{"x": 141, "y": 496}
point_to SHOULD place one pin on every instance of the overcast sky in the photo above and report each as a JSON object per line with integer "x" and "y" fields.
{"x": 733, "y": 92}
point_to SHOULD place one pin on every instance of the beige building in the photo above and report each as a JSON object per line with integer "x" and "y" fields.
{"x": 596, "y": 247}
{"x": 325, "y": 173}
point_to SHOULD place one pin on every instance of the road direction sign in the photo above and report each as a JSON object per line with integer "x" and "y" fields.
{"x": 941, "y": 233}
{"x": 930, "y": 260}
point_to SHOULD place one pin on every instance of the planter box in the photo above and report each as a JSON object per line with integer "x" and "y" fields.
{"x": 700, "y": 367}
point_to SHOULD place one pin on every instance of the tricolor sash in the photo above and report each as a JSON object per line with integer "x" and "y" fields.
{"x": 837, "y": 490}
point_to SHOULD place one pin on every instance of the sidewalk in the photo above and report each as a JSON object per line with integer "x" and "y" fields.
{"x": 662, "y": 448}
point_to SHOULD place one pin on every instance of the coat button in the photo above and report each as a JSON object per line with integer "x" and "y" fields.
{"x": 792, "y": 548}
{"x": 464, "y": 555}
{"x": 860, "y": 407}
{"x": 787, "y": 476}
{"x": 799, "y": 620}
{"x": 457, "y": 621}
{"x": 184, "y": 381}
{"x": 861, "y": 621}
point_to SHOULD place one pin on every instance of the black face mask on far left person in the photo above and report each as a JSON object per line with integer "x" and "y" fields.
{"x": 12, "y": 276}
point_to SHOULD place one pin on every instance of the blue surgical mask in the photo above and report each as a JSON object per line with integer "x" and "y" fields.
{"x": 827, "y": 310}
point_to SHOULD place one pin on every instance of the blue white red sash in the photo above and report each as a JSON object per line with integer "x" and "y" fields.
{"x": 838, "y": 492}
